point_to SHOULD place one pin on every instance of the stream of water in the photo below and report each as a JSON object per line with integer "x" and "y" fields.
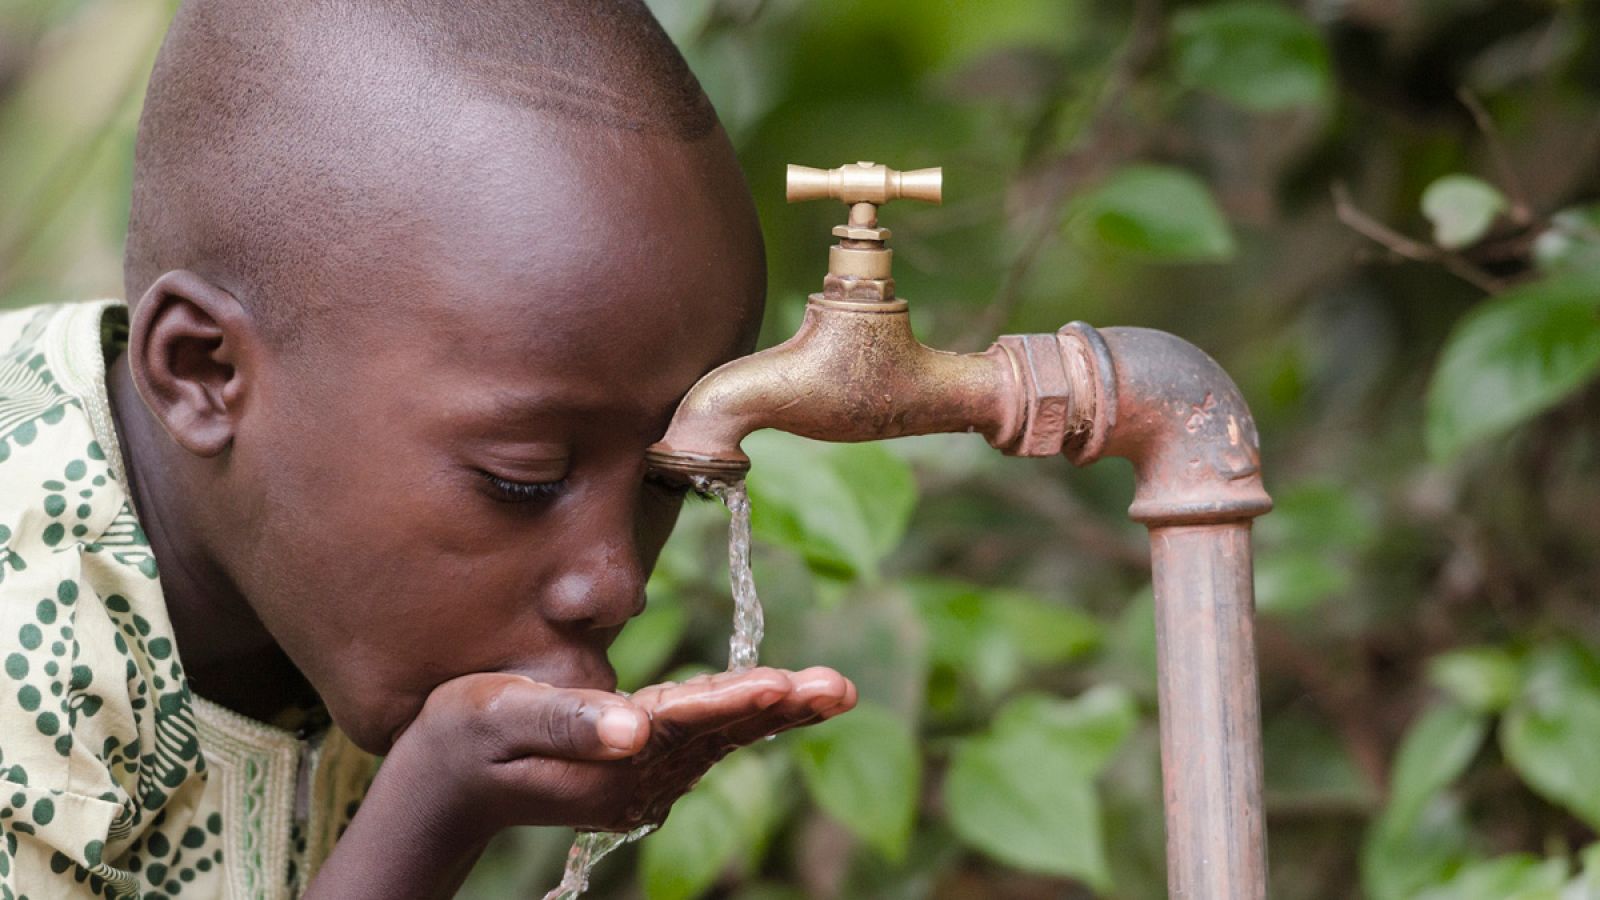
{"x": 743, "y": 650}
{"x": 748, "y": 624}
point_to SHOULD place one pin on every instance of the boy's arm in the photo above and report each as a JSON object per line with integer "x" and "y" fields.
{"x": 491, "y": 751}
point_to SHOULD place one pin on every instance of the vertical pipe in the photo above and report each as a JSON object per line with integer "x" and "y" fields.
{"x": 1163, "y": 404}
{"x": 1210, "y": 715}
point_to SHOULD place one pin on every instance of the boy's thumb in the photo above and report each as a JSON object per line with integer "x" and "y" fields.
{"x": 569, "y": 723}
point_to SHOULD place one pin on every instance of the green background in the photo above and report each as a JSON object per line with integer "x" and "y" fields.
{"x": 1374, "y": 214}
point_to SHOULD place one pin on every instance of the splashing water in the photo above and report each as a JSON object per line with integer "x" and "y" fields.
{"x": 589, "y": 848}
{"x": 743, "y": 650}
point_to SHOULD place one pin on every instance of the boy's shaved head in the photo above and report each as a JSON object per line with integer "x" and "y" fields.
{"x": 415, "y": 284}
{"x": 275, "y": 133}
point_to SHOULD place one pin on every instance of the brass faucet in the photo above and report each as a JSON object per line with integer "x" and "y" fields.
{"x": 855, "y": 372}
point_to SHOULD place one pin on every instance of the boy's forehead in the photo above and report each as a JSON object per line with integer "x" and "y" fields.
{"x": 569, "y": 251}
{"x": 591, "y": 226}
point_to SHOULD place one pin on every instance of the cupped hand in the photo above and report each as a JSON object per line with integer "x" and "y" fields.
{"x": 506, "y": 750}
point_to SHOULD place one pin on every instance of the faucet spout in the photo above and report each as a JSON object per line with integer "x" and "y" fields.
{"x": 853, "y": 372}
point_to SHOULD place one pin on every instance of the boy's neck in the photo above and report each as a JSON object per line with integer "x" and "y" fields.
{"x": 228, "y": 655}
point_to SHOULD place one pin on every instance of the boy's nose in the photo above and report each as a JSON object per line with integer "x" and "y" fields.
{"x": 604, "y": 592}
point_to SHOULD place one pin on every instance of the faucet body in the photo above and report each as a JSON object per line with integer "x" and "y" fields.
{"x": 855, "y": 372}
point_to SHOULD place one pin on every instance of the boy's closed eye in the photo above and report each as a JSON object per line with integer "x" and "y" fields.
{"x": 506, "y": 490}
{"x": 519, "y": 471}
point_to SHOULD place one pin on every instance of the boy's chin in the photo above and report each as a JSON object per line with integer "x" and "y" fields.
{"x": 376, "y": 731}
{"x": 373, "y": 720}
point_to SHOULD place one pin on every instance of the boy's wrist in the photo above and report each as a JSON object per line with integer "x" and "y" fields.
{"x": 412, "y": 838}
{"x": 424, "y": 789}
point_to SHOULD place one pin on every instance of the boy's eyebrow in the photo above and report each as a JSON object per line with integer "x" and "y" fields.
{"x": 513, "y": 406}
{"x": 509, "y": 405}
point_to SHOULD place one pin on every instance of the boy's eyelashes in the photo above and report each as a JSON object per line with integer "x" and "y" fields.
{"x": 676, "y": 488}
{"x": 507, "y": 491}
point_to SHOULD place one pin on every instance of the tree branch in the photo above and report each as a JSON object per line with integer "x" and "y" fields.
{"x": 1406, "y": 247}
{"x": 1521, "y": 212}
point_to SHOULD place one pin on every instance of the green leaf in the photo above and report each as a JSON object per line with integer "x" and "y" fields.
{"x": 1261, "y": 56}
{"x": 1571, "y": 243}
{"x": 964, "y": 637}
{"x": 647, "y": 642}
{"x": 1517, "y": 877}
{"x": 1093, "y": 726}
{"x": 988, "y": 635}
{"x": 1024, "y": 793}
{"x": 1435, "y": 751}
{"x": 1044, "y": 632}
{"x": 1129, "y": 658}
{"x": 884, "y": 487}
{"x": 1324, "y": 514}
{"x": 708, "y": 828}
{"x": 1155, "y": 212}
{"x": 685, "y": 857}
{"x": 1555, "y": 747}
{"x": 864, "y": 769}
{"x": 843, "y": 507}
{"x": 1557, "y": 669}
{"x": 1296, "y": 582}
{"x": 1483, "y": 679}
{"x": 871, "y": 632}
{"x": 683, "y": 560}
{"x": 1420, "y": 838}
{"x": 1512, "y": 357}
{"x": 1400, "y": 859}
{"x": 1461, "y": 209}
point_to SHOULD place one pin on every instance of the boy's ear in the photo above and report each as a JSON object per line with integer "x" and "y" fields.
{"x": 188, "y": 345}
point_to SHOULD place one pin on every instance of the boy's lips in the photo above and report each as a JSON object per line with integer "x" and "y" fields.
{"x": 576, "y": 671}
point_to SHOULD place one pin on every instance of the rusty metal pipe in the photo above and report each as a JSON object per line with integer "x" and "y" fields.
{"x": 1166, "y": 406}
{"x": 1210, "y": 719}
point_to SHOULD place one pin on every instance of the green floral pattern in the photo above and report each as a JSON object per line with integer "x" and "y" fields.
{"x": 115, "y": 780}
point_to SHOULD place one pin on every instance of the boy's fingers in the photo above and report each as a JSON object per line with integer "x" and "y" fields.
{"x": 523, "y": 717}
{"x": 824, "y": 689}
{"x": 819, "y": 694}
{"x": 719, "y": 706}
{"x": 709, "y": 702}
{"x": 814, "y": 692}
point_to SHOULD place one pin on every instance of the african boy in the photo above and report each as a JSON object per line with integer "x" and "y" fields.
{"x": 413, "y": 284}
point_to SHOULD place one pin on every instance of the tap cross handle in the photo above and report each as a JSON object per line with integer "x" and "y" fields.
{"x": 864, "y": 182}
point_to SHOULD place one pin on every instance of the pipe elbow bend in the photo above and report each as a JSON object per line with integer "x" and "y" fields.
{"x": 1166, "y": 406}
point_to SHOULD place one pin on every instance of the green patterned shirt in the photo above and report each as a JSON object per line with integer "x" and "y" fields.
{"x": 115, "y": 779}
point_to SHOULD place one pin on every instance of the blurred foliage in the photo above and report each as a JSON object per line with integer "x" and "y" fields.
{"x": 1379, "y": 216}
